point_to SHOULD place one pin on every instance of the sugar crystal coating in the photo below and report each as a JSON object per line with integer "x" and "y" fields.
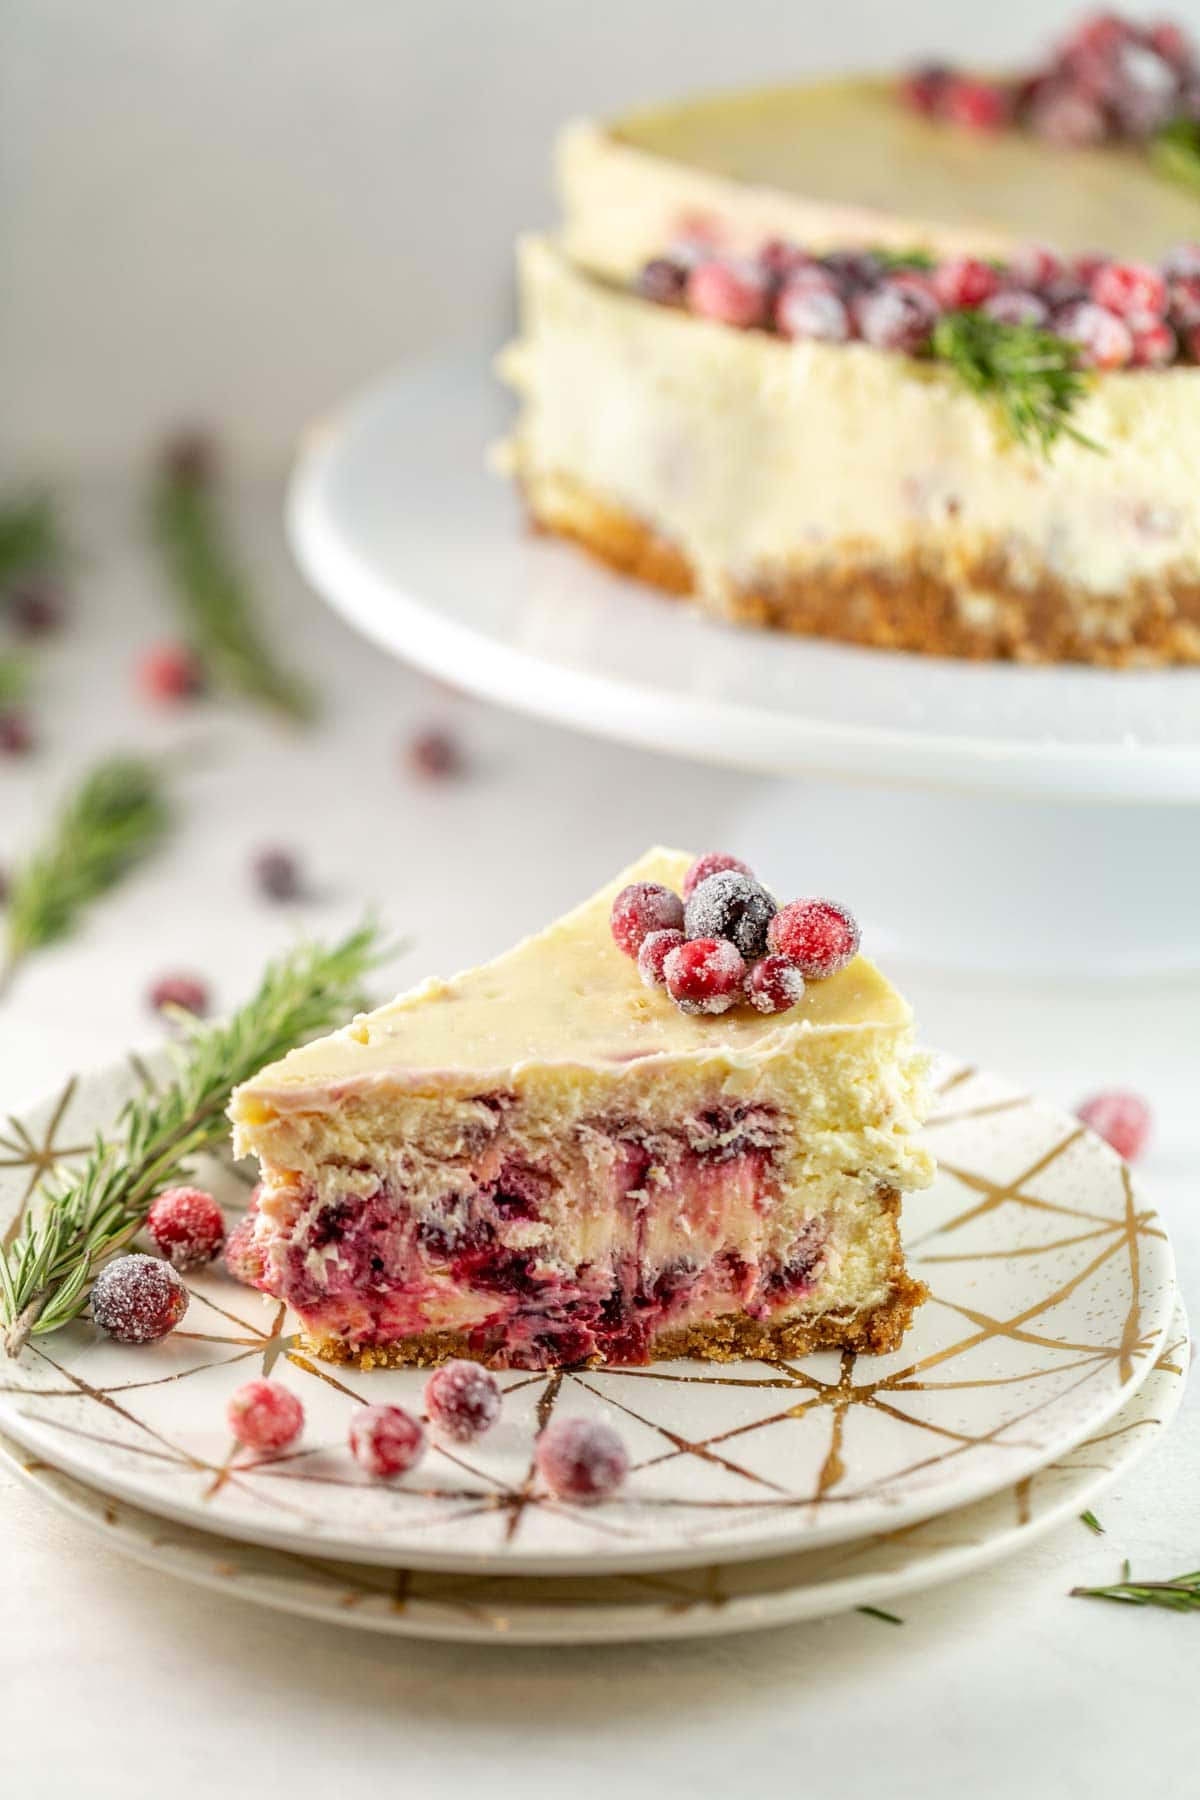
{"x": 733, "y": 906}
{"x": 137, "y": 1299}
{"x": 462, "y": 1399}
{"x": 186, "y": 1225}
{"x": 774, "y": 984}
{"x": 386, "y": 1440}
{"x": 711, "y": 863}
{"x": 653, "y": 954}
{"x": 819, "y": 936}
{"x": 581, "y": 1459}
{"x": 639, "y": 909}
{"x": 705, "y": 975}
{"x": 264, "y": 1415}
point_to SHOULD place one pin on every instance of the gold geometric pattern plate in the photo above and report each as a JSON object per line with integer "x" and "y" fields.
{"x": 877, "y": 1570}
{"x": 1052, "y": 1287}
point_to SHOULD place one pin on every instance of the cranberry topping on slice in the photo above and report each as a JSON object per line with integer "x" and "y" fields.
{"x": 774, "y": 984}
{"x": 819, "y": 936}
{"x": 732, "y": 293}
{"x": 1135, "y": 291}
{"x": 705, "y": 975}
{"x": 964, "y": 281}
{"x": 712, "y": 862}
{"x": 1017, "y": 306}
{"x": 653, "y": 954}
{"x": 731, "y": 905}
{"x": 1105, "y": 342}
{"x": 639, "y": 909}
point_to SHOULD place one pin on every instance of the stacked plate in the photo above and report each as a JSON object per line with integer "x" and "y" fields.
{"x": 1050, "y": 1355}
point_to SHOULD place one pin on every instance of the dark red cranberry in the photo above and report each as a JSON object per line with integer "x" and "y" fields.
{"x": 1154, "y": 347}
{"x": 705, "y": 975}
{"x": 975, "y": 105}
{"x": 169, "y": 673}
{"x": 853, "y": 269}
{"x": 663, "y": 280}
{"x": 581, "y": 1459}
{"x": 36, "y": 606}
{"x": 639, "y": 909}
{"x": 733, "y": 906}
{"x": 434, "y": 754}
{"x": 654, "y": 952}
{"x": 186, "y": 1225}
{"x": 774, "y": 984}
{"x": 277, "y": 874}
{"x": 964, "y": 281}
{"x": 711, "y": 863}
{"x": 732, "y": 293}
{"x": 807, "y": 309}
{"x": 1017, "y": 306}
{"x": 1121, "y": 1119}
{"x": 1105, "y": 342}
{"x": 895, "y": 316}
{"x": 243, "y": 1256}
{"x": 185, "y": 991}
{"x": 463, "y": 1400}
{"x": 264, "y": 1415}
{"x": 819, "y": 936}
{"x": 16, "y": 733}
{"x": 386, "y": 1440}
{"x": 1134, "y": 291}
{"x": 924, "y": 88}
{"x": 137, "y": 1299}
{"x": 1183, "y": 295}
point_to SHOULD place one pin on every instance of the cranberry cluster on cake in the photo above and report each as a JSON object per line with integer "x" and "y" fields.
{"x": 546, "y": 1161}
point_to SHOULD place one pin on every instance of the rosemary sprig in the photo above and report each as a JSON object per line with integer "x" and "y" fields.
{"x": 1175, "y": 151}
{"x": 1092, "y": 1522}
{"x": 217, "y": 604}
{"x": 877, "y": 1612}
{"x": 1034, "y": 376}
{"x": 896, "y": 262}
{"x": 14, "y": 680}
{"x": 86, "y": 1217}
{"x": 30, "y": 536}
{"x": 113, "y": 819}
{"x": 1180, "y": 1595}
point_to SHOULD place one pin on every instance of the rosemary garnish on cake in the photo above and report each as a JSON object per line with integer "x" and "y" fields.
{"x": 1033, "y": 376}
{"x": 112, "y": 820}
{"x": 1180, "y": 1595}
{"x": 85, "y": 1217}
{"x": 30, "y": 536}
{"x": 1175, "y": 151}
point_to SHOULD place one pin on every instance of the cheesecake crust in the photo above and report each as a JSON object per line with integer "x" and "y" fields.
{"x": 979, "y": 611}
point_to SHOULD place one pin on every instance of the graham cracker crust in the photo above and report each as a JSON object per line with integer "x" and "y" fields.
{"x": 911, "y": 605}
{"x": 870, "y": 1333}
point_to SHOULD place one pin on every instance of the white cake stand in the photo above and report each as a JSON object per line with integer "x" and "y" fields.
{"x": 1000, "y": 816}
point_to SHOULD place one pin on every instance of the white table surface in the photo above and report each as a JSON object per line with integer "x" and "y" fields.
{"x": 116, "y": 1681}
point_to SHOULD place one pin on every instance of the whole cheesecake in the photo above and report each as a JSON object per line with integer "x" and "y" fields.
{"x": 787, "y": 356}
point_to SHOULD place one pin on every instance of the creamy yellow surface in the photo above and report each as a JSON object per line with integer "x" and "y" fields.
{"x": 844, "y": 162}
{"x": 759, "y": 458}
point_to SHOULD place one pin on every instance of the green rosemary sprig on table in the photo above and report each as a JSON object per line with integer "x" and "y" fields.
{"x": 1092, "y": 1522}
{"x": 218, "y": 606}
{"x": 1033, "y": 376}
{"x": 30, "y": 536}
{"x": 1180, "y": 1595}
{"x": 114, "y": 818}
{"x": 86, "y": 1217}
{"x": 1175, "y": 151}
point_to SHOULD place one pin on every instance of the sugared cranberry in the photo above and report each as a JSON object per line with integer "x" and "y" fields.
{"x": 733, "y": 293}
{"x": 1183, "y": 299}
{"x": 169, "y": 673}
{"x": 16, "y": 733}
{"x": 653, "y": 954}
{"x": 819, "y": 936}
{"x": 463, "y": 1400}
{"x": 386, "y": 1440}
{"x": 975, "y": 105}
{"x": 185, "y": 991}
{"x": 705, "y": 975}
{"x": 1034, "y": 266}
{"x": 1134, "y": 291}
{"x": 186, "y": 1225}
{"x": 1084, "y": 266}
{"x": 1154, "y": 347}
{"x": 581, "y": 1459}
{"x": 663, "y": 280}
{"x": 1172, "y": 43}
{"x": 1017, "y": 306}
{"x": 1063, "y": 114}
{"x": 1121, "y": 1119}
{"x": 243, "y": 1255}
{"x": 36, "y": 606}
{"x": 277, "y": 874}
{"x": 781, "y": 259}
{"x": 806, "y": 309}
{"x": 774, "y": 984}
{"x": 434, "y": 754}
{"x": 711, "y": 863}
{"x": 924, "y": 88}
{"x": 733, "y": 906}
{"x": 639, "y": 909}
{"x": 264, "y": 1415}
{"x": 137, "y": 1299}
{"x": 964, "y": 281}
{"x": 1105, "y": 342}
{"x": 852, "y": 270}
{"x": 894, "y": 316}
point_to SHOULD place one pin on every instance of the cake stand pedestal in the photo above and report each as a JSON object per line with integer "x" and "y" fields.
{"x": 981, "y": 816}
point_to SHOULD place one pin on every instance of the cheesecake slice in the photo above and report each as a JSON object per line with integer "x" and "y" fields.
{"x": 543, "y": 1161}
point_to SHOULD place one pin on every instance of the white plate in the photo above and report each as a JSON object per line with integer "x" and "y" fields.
{"x": 397, "y": 522}
{"x": 589, "y": 1609}
{"x": 1052, "y": 1287}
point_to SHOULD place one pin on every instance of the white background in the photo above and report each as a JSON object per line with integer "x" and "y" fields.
{"x": 236, "y": 211}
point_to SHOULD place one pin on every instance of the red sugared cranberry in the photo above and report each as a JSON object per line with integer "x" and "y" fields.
{"x": 894, "y": 316}
{"x": 1063, "y": 114}
{"x": 733, "y": 906}
{"x": 732, "y": 293}
{"x": 781, "y": 259}
{"x": 1183, "y": 297}
{"x": 806, "y": 309}
{"x": 16, "y": 733}
{"x": 663, "y": 280}
{"x": 653, "y": 954}
{"x": 463, "y": 1400}
{"x": 264, "y": 1415}
{"x": 186, "y": 1226}
{"x": 137, "y": 1299}
{"x": 1134, "y": 291}
{"x": 924, "y": 88}
{"x": 243, "y": 1256}
{"x": 434, "y": 754}
{"x": 1154, "y": 347}
{"x": 1122, "y": 1120}
{"x": 36, "y": 606}
{"x": 819, "y": 936}
{"x": 711, "y": 863}
{"x": 705, "y": 975}
{"x": 975, "y": 105}
{"x": 774, "y": 984}
{"x": 277, "y": 874}
{"x": 185, "y": 991}
{"x": 1105, "y": 342}
{"x": 581, "y": 1459}
{"x": 1034, "y": 266}
{"x": 1017, "y": 306}
{"x": 964, "y": 281}
{"x": 386, "y": 1440}
{"x": 639, "y": 909}
{"x": 170, "y": 672}
{"x": 1172, "y": 43}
